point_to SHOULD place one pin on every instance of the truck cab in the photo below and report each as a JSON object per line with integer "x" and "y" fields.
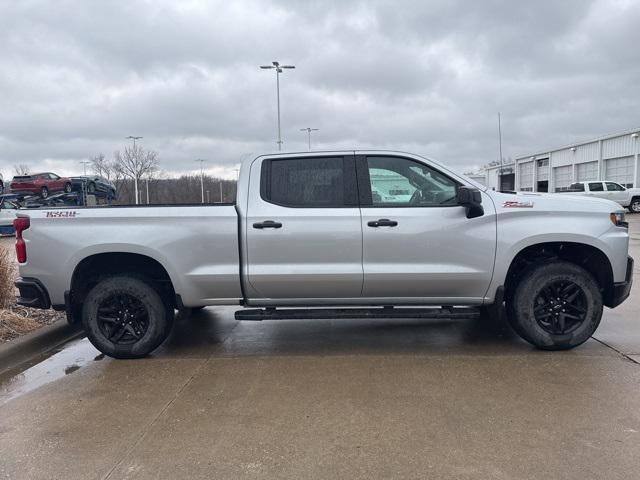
{"x": 626, "y": 197}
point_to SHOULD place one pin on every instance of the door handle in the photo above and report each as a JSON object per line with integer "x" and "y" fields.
{"x": 267, "y": 224}
{"x": 383, "y": 222}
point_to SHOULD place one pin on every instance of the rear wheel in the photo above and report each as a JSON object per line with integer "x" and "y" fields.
{"x": 125, "y": 317}
{"x": 634, "y": 206}
{"x": 67, "y": 187}
{"x": 44, "y": 192}
{"x": 556, "y": 305}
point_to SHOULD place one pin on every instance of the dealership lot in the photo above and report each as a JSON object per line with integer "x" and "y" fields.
{"x": 327, "y": 399}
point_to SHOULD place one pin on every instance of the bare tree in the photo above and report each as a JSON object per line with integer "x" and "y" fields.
{"x": 101, "y": 166}
{"x": 22, "y": 169}
{"x": 136, "y": 163}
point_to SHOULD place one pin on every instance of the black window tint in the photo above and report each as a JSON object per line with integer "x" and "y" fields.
{"x": 577, "y": 187}
{"x": 312, "y": 182}
{"x": 596, "y": 187}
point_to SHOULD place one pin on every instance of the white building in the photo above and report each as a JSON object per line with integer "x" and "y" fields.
{"x": 613, "y": 157}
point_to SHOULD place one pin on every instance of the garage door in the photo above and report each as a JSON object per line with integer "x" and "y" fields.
{"x": 562, "y": 177}
{"x": 619, "y": 170}
{"x": 525, "y": 176}
{"x": 586, "y": 171}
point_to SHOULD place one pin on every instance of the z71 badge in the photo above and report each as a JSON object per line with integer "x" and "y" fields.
{"x": 62, "y": 214}
{"x": 513, "y": 204}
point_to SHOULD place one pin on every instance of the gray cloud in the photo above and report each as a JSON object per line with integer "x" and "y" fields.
{"x": 430, "y": 77}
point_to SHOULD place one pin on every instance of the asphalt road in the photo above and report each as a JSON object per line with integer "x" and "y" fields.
{"x": 333, "y": 399}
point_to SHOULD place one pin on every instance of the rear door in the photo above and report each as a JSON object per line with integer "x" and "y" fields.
{"x": 418, "y": 244}
{"x": 303, "y": 230}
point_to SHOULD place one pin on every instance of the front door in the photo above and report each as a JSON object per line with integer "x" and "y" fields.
{"x": 418, "y": 244}
{"x": 616, "y": 193}
{"x": 303, "y": 230}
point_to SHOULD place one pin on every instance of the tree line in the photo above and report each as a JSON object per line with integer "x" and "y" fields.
{"x": 137, "y": 165}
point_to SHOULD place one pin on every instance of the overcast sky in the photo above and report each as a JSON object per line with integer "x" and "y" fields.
{"x": 76, "y": 77}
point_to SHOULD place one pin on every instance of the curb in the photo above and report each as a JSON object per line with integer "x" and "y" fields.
{"x": 36, "y": 343}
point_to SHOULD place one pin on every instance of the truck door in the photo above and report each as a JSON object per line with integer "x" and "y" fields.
{"x": 303, "y": 229}
{"x": 617, "y": 193}
{"x": 418, "y": 244}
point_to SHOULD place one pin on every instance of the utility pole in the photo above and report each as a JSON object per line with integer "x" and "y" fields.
{"x": 201, "y": 177}
{"x": 135, "y": 176}
{"x": 309, "y": 130}
{"x": 147, "y": 190}
{"x": 220, "y": 190}
{"x": 208, "y": 198}
{"x": 278, "y": 68}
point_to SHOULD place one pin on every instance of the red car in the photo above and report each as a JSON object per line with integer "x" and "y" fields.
{"x": 40, "y": 184}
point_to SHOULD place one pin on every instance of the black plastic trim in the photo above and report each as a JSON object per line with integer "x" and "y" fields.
{"x": 260, "y": 314}
{"x": 32, "y": 293}
{"x": 621, "y": 290}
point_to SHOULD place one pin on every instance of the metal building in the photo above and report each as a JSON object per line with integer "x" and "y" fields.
{"x": 612, "y": 157}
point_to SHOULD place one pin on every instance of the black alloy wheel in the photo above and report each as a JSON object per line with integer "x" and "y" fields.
{"x": 560, "y": 307}
{"x": 123, "y": 319}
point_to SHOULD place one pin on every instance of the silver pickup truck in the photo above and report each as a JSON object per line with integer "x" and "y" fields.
{"x": 331, "y": 235}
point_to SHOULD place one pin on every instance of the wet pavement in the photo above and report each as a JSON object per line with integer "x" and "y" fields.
{"x": 332, "y": 399}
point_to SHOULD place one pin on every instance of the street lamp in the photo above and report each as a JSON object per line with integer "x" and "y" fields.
{"x": 309, "y": 130}
{"x": 135, "y": 176}
{"x": 85, "y": 163}
{"x": 201, "y": 160}
{"x": 278, "y": 68}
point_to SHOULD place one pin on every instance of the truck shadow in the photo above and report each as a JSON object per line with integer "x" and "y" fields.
{"x": 214, "y": 331}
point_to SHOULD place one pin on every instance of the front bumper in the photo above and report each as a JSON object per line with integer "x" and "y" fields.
{"x": 621, "y": 290}
{"x": 32, "y": 293}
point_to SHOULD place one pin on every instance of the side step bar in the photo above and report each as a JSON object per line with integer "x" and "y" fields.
{"x": 260, "y": 314}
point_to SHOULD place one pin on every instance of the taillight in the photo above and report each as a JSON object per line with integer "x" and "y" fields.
{"x": 20, "y": 224}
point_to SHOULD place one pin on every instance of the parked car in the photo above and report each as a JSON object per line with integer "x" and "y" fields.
{"x": 94, "y": 184}
{"x": 73, "y": 199}
{"x": 8, "y": 211}
{"x": 627, "y": 197}
{"x": 307, "y": 232}
{"x": 41, "y": 184}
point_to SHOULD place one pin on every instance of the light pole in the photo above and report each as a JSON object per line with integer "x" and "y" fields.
{"x": 278, "y": 68}
{"x": 309, "y": 130}
{"x": 135, "y": 176}
{"x": 500, "y": 151}
{"x": 201, "y": 160}
{"x": 84, "y": 164}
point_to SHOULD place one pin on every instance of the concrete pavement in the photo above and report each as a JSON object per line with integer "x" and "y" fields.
{"x": 333, "y": 399}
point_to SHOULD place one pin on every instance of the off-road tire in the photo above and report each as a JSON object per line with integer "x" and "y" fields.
{"x": 526, "y": 297}
{"x": 159, "y": 316}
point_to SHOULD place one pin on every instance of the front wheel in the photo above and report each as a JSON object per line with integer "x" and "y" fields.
{"x": 634, "y": 206}
{"x": 125, "y": 317}
{"x": 67, "y": 187}
{"x": 557, "y": 305}
{"x": 44, "y": 192}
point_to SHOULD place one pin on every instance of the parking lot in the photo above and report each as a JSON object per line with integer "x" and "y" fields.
{"x": 333, "y": 399}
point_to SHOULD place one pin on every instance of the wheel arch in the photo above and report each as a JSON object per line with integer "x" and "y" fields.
{"x": 91, "y": 269}
{"x": 587, "y": 256}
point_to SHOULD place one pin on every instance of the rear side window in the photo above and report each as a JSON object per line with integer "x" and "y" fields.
{"x": 596, "y": 187}
{"x": 577, "y": 187}
{"x": 308, "y": 182}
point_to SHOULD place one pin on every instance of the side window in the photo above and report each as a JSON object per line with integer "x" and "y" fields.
{"x": 596, "y": 187}
{"x": 400, "y": 182}
{"x": 577, "y": 187}
{"x": 614, "y": 187}
{"x": 53, "y": 176}
{"x": 307, "y": 182}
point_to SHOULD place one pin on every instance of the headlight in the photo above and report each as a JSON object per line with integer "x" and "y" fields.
{"x": 617, "y": 218}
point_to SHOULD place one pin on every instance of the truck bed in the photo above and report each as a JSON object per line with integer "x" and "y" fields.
{"x": 196, "y": 244}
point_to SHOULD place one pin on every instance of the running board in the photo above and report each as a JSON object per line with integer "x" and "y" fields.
{"x": 260, "y": 314}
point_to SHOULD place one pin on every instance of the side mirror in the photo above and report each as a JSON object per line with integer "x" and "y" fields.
{"x": 471, "y": 199}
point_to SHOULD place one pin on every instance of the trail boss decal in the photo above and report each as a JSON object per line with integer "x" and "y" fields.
{"x": 513, "y": 204}
{"x": 62, "y": 214}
